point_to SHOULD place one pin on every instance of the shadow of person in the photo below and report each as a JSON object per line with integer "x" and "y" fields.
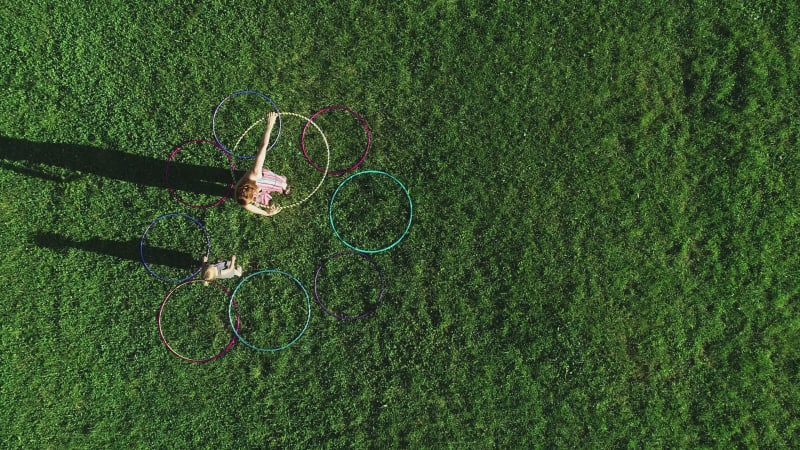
{"x": 68, "y": 162}
{"x": 124, "y": 250}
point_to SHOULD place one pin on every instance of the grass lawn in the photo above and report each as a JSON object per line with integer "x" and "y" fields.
{"x": 603, "y": 253}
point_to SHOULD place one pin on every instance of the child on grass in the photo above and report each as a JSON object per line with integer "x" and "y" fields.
{"x": 220, "y": 269}
{"x": 254, "y": 189}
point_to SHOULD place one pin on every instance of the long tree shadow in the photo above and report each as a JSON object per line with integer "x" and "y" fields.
{"x": 126, "y": 250}
{"x": 67, "y": 162}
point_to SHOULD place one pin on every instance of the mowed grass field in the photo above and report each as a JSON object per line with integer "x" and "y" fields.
{"x": 603, "y": 253}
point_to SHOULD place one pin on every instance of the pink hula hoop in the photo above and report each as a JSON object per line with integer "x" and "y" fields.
{"x": 171, "y": 189}
{"x": 363, "y": 124}
{"x": 230, "y": 344}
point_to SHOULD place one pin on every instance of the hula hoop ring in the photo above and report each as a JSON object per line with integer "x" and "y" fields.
{"x": 396, "y": 241}
{"x": 327, "y": 164}
{"x": 172, "y": 191}
{"x": 362, "y": 314}
{"x": 269, "y": 349}
{"x": 361, "y": 159}
{"x": 235, "y": 94}
{"x": 144, "y": 235}
{"x": 228, "y": 346}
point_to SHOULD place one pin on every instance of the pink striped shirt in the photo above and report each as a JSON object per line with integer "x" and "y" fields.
{"x": 268, "y": 183}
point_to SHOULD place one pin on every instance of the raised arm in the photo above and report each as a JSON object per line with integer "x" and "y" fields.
{"x": 262, "y": 152}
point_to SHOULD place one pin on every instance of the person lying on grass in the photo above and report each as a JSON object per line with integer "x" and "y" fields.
{"x": 254, "y": 189}
{"x": 220, "y": 269}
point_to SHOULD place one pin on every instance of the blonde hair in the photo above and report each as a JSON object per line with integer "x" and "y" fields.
{"x": 209, "y": 274}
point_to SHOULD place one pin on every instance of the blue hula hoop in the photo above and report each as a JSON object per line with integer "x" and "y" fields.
{"x": 237, "y": 93}
{"x": 396, "y": 241}
{"x": 144, "y": 235}
{"x": 269, "y": 349}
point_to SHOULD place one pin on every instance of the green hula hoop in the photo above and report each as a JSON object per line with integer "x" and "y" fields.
{"x": 402, "y": 235}
{"x": 288, "y": 344}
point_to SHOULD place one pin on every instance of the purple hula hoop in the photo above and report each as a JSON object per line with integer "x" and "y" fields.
{"x": 363, "y": 124}
{"x": 341, "y": 316}
{"x": 230, "y": 344}
{"x": 175, "y": 195}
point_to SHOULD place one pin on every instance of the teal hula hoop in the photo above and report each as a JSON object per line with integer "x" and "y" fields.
{"x": 396, "y": 241}
{"x": 269, "y": 349}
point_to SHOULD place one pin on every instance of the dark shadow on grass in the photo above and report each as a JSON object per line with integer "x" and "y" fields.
{"x": 68, "y": 162}
{"x": 126, "y": 250}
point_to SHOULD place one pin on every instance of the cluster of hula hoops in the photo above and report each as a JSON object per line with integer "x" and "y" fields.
{"x": 232, "y": 152}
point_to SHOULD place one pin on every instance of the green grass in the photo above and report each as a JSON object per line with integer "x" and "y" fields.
{"x": 604, "y": 251}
